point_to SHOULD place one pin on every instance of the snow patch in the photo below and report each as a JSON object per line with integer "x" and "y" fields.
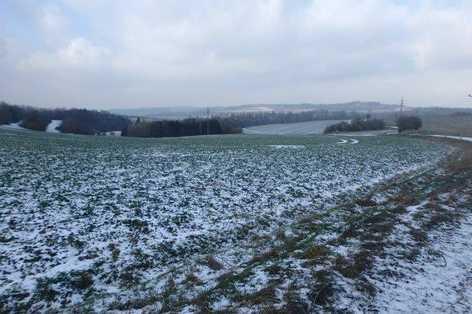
{"x": 287, "y": 146}
{"x": 113, "y": 133}
{"x": 14, "y": 126}
{"x": 345, "y": 141}
{"x": 53, "y": 125}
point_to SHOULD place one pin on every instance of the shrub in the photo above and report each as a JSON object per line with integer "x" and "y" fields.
{"x": 355, "y": 125}
{"x": 214, "y": 264}
{"x": 409, "y": 123}
{"x": 82, "y": 280}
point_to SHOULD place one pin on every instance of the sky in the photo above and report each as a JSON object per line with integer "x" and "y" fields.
{"x": 143, "y": 53}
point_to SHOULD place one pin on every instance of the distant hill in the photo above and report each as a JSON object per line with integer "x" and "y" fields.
{"x": 181, "y": 112}
{"x": 163, "y": 113}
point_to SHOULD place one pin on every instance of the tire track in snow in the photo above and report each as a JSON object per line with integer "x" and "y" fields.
{"x": 345, "y": 141}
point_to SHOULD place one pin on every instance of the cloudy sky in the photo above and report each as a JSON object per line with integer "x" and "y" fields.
{"x": 121, "y": 53}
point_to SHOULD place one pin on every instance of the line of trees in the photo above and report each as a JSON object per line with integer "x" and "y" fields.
{"x": 356, "y": 125}
{"x": 175, "y": 128}
{"x": 248, "y": 119}
{"x": 228, "y": 124}
{"x": 10, "y": 114}
{"x": 78, "y": 121}
{"x": 82, "y": 121}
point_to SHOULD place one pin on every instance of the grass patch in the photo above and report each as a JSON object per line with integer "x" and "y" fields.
{"x": 214, "y": 264}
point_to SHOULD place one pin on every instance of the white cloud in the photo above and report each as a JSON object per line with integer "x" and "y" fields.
{"x": 264, "y": 51}
{"x": 3, "y": 48}
{"x": 444, "y": 38}
{"x": 51, "y": 19}
{"x": 79, "y": 53}
{"x": 53, "y": 25}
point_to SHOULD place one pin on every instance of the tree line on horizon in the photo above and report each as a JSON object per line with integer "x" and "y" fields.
{"x": 77, "y": 121}
{"x": 403, "y": 123}
{"x": 248, "y": 119}
{"x": 89, "y": 122}
{"x": 227, "y": 124}
{"x": 176, "y": 128}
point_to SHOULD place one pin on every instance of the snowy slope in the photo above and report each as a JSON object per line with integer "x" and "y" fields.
{"x": 13, "y": 126}
{"x": 53, "y": 125}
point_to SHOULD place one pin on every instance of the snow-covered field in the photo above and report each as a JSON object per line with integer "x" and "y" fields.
{"x": 299, "y": 128}
{"x": 118, "y": 223}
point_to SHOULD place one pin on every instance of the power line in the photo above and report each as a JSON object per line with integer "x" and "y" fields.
{"x": 208, "y": 121}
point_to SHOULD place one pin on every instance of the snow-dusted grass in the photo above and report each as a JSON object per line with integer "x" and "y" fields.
{"x": 119, "y": 223}
{"x": 441, "y": 283}
{"x": 414, "y": 247}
